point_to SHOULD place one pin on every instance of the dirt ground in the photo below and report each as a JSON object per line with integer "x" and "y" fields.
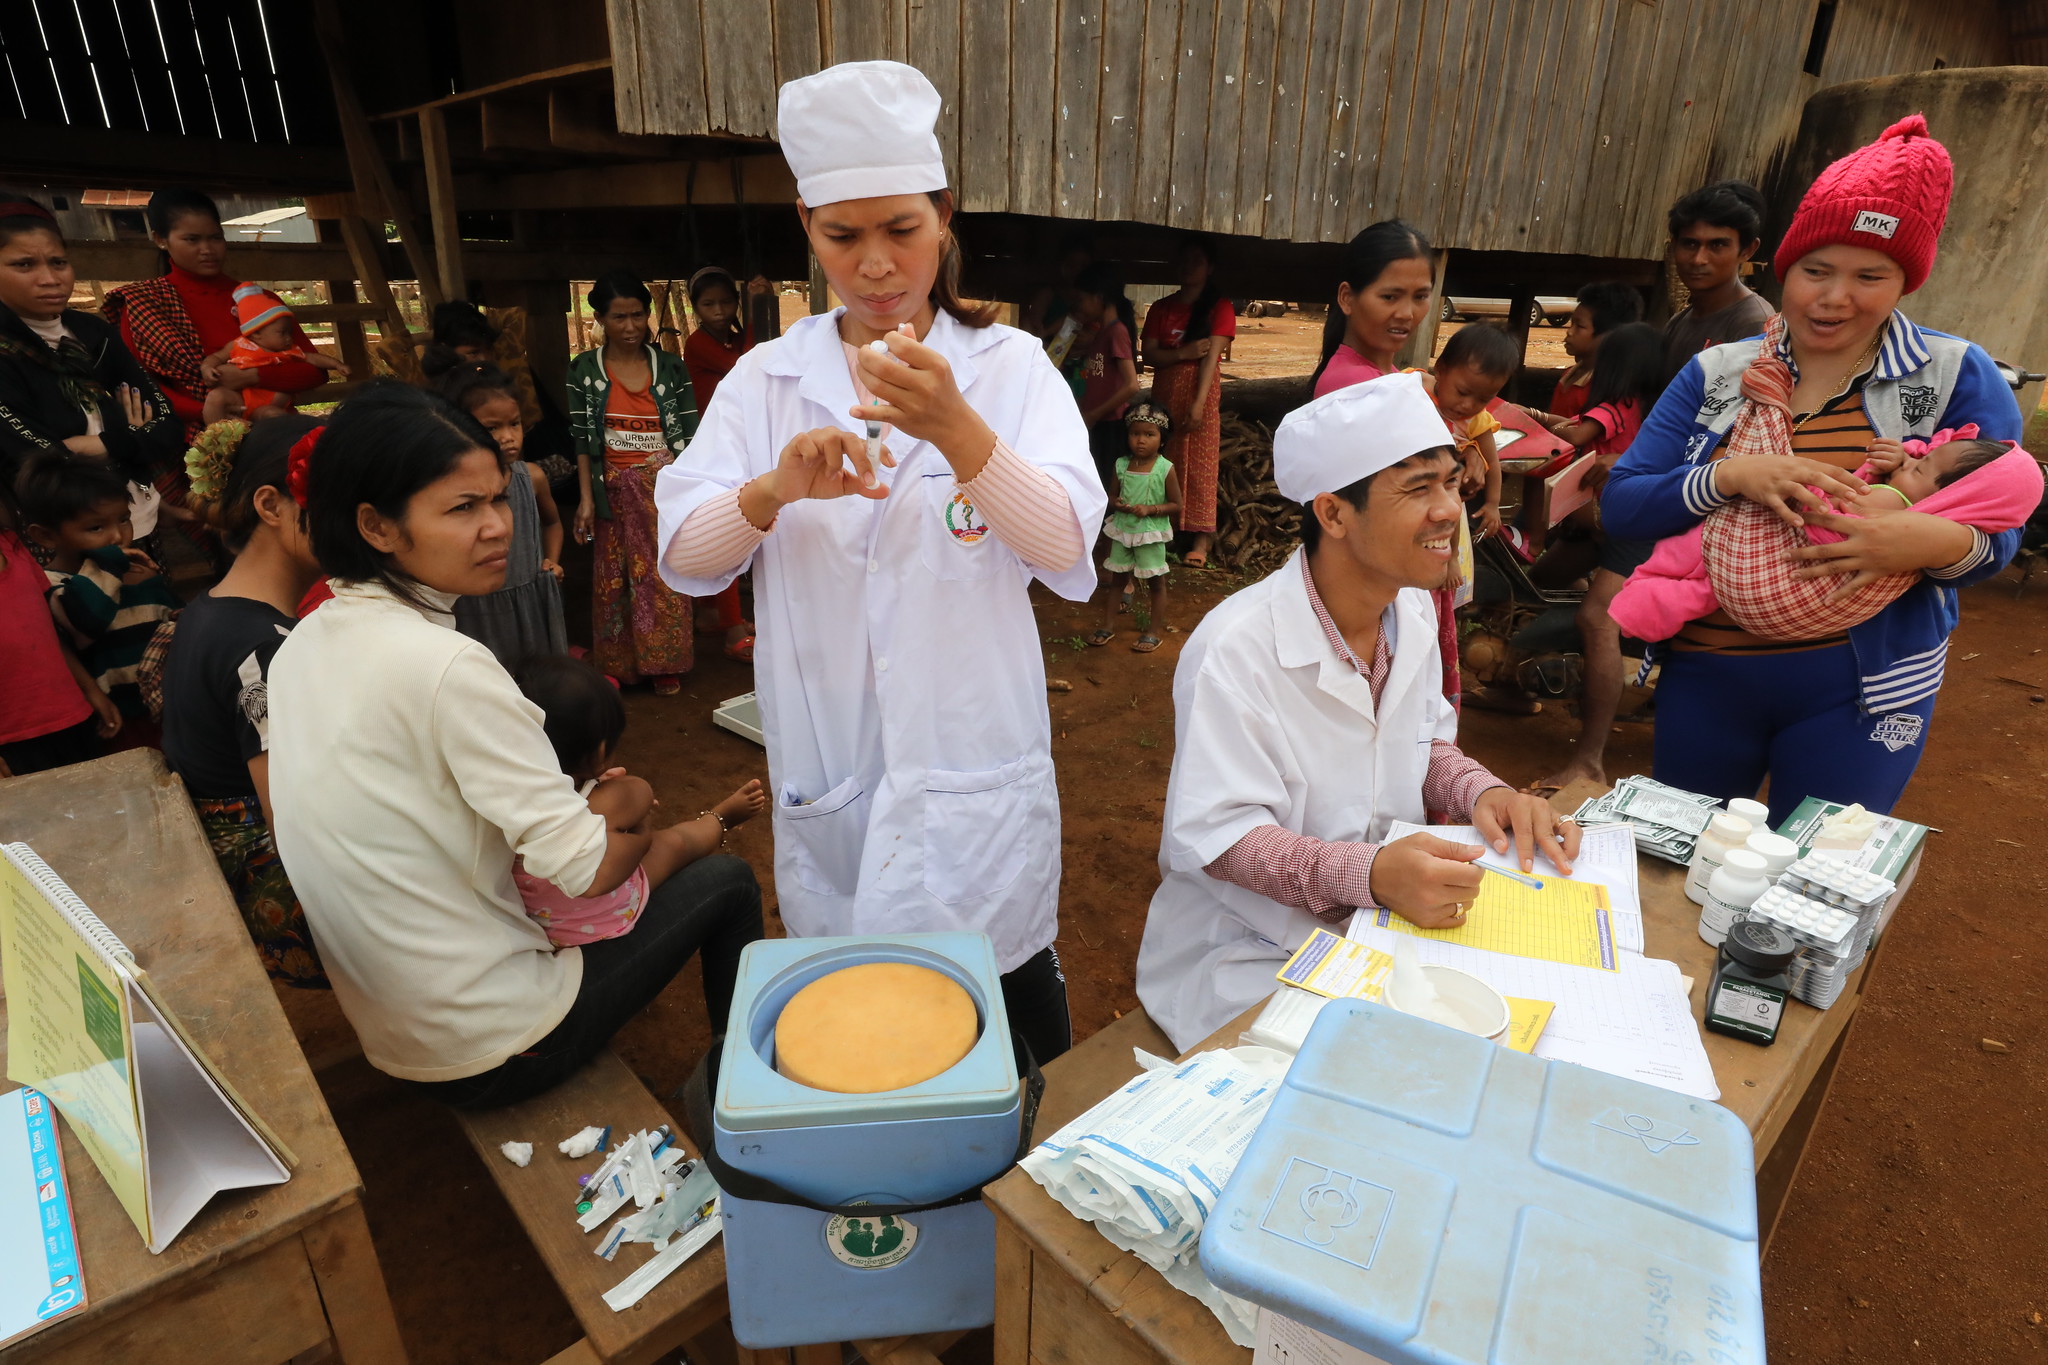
{"x": 1914, "y": 1230}
{"x": 1915, "y": 1225}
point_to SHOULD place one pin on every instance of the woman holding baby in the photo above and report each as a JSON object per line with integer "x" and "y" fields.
{"x": 1830, "y": 694}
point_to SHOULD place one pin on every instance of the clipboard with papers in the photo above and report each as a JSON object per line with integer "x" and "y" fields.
{"x": 1635, "y": 1020}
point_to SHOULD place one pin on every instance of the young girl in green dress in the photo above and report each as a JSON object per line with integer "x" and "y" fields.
{"x": 1140, "y": 524}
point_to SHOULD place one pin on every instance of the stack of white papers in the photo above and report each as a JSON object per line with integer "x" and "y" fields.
{"x": 1635, "y": 1021}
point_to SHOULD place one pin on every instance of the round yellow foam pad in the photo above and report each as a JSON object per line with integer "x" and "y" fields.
{"x": 877, "y": 1026}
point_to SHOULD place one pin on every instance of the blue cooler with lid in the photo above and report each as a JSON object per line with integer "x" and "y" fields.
{"x": 1433, "y": 1199}
{"x": 797, "y": 1275}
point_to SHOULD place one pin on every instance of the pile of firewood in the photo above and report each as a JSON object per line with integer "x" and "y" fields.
{"x": 1256, "y": 528}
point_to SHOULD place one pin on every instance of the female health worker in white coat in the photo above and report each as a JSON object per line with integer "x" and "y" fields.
{"x": 898, "y": 664}
{"x": 1308, "y": 718}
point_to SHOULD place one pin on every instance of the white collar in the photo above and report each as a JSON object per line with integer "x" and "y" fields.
{"x": 51, "y": 330}
{"x": 439, "y": 606}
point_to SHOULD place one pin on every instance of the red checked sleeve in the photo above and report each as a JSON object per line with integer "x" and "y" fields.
{"x": 1330, "y": 879}
{"x": 1454, "y": 782}
{"x": 1325, "y": 878}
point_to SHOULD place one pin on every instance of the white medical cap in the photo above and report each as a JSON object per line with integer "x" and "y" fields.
{"x": 861, "y": 130}
{"x": 1338, "y": 439}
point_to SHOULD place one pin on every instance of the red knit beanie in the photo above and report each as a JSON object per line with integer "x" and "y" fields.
{"x": 1891, "y": 196}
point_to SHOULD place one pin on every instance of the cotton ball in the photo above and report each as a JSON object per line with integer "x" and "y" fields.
{"x": 518, "y": 1153}
{"x": 582, "y": 1144}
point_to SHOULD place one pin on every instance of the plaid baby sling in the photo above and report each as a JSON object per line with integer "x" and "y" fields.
{"x": 1745, "y": 544}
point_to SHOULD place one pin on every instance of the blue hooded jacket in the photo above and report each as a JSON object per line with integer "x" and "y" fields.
{"x": 1922, "y": 382}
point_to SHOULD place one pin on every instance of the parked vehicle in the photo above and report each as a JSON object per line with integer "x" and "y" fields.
{"x": 1549, "y": 310}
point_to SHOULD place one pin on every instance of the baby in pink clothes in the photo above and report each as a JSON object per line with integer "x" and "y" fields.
{"x": 1735, "y": 561}
{"x": 584, "y": 720}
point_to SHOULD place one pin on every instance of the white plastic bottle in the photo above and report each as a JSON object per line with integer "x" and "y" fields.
{"x": 1756, "y": 812}
{"x": 1735, "y": 886}
{"x": 1723, "y": 832}
{"x": 1778, "y": 852}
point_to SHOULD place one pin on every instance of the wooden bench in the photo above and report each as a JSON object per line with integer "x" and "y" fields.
{"x": 685, "y": 1311}
{"x": 688, "y": 1309}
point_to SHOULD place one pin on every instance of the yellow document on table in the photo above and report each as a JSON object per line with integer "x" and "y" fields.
{"x": 1334, "y": 966}
{"x": 86, "y": 1029}
{"x": 1526, "y": 1019}
{"x": 1562, "y": 921}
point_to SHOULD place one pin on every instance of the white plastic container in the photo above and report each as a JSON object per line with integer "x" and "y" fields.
{"x": 1778, "y": 852}
{"x": 1479, "y": 1009}
{"x": 1756, "y": 812}
{"x": 1723, "y": 832}
{"x": 1734, "y": 887}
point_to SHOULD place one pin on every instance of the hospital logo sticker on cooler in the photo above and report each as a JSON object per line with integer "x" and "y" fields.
{"x": 870, "y": 1243}
{"x": 967, "y": 525}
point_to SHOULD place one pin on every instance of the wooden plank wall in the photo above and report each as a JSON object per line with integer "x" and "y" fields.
{"x": 1506, "y": 125}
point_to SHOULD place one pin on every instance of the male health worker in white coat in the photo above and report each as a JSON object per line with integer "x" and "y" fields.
{"x": 1308, "y": 716}
{"x": 899, "y": 668}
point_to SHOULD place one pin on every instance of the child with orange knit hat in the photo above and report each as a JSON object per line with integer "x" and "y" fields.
{"x": 266, "y": 340}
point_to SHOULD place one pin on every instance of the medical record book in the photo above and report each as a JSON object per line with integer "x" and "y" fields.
{"x": 1426, "y": 1196}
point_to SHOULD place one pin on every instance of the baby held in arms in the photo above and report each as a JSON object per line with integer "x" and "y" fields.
{"x": 1737, "y": 559}
{"x": 584, "y": 720}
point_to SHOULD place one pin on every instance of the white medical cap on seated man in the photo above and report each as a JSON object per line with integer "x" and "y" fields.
{"x": 861, "y": 130}
{"x": 1340, "y": 438}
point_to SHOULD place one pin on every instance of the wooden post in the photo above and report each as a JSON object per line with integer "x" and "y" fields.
{"x": 348, "y": 332}
{"x": 1421, "y": 347}
{"x": 547, "y": 328}
{"x": 441, "y": 201}
{"x": 821, "y": 293}
{"x": 361, "y": 241}
{"x": 664, "y": 319}
{"x": 1521, "y": 303}
{"x": 374, "y": 185}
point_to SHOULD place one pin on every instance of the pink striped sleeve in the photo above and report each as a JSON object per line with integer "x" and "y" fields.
{"x": 714, "y": 540}
{"x": 1329, "y": 880}
{"x": 1028, "y": 510}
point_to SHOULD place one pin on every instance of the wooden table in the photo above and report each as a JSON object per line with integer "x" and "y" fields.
{"x": 261, "y": 1275}
{"x": 1064, "y": 1294}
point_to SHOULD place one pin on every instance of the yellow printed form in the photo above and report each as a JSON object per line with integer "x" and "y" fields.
{"x": 1331, "y": 965}
{"x": 1526, "y": 1019}
{"x": 68, "y": 1034}
{"x": 1562, "y": 921}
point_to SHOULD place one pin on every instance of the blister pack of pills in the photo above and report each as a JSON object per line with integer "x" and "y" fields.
{"x": 1834, "y": 882}
{"x": 1809, "y": 922}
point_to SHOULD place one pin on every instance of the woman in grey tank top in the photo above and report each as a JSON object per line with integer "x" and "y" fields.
{"x": 523, "y": 618}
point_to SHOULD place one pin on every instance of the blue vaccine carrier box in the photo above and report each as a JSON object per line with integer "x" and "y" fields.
{"x": 1433, "y": 1199}
{"x": 797, "y": 1276}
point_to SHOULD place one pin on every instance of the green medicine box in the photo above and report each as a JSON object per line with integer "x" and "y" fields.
{"x": 1893, "y": 852}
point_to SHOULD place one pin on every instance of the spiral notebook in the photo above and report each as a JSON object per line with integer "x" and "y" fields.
{"x": 85, "y": 1027}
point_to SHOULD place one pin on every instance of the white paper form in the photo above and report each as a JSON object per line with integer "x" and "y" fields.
{"x": 1607, "y": 855}
{"x": 1635, "y": 1021}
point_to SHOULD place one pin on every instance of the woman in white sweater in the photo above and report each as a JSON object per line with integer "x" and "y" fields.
{"x": 407, "y": 770}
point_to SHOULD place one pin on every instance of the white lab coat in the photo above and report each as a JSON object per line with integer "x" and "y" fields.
{"x": 898, "y": 664}
{"x": 1272, "y": 728}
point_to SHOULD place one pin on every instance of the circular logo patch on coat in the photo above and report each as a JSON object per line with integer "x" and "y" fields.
{"x": 968, "y": 526}
{"x": 870, "y": 1243}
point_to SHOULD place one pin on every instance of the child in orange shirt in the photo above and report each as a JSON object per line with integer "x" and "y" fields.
{"x": 267, "y": 339}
